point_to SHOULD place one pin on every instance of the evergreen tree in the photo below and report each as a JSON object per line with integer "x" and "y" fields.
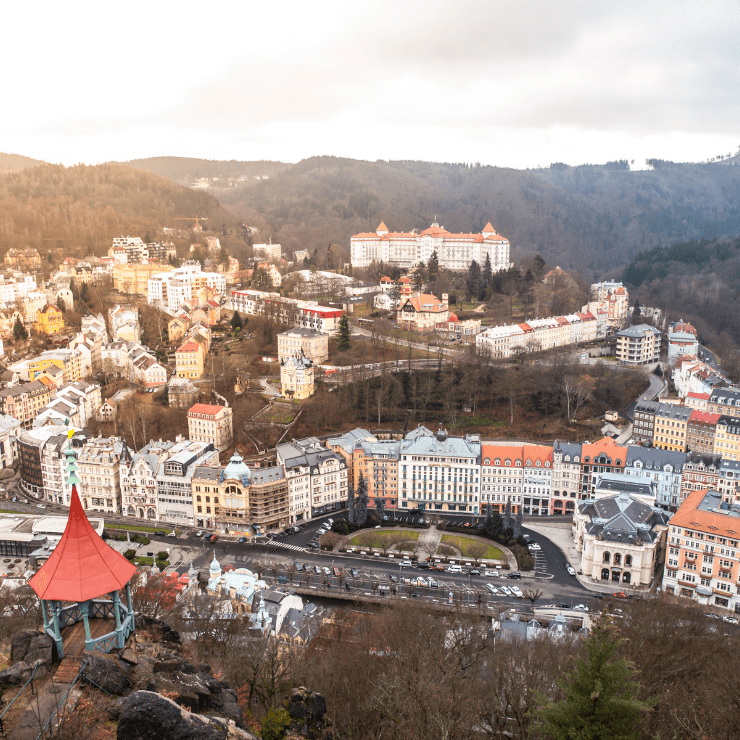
{"x": 600, "y": 695}
{"x": 380, "y": 508}
{"x": 361, "y": 502}
{"x": 507, "y": 515}
{"x": 433, "y": 267}
{"x": 19, "y": 331}
{"x": 518, "y": 522}
{"x": 487, "y": 271}
{"x": 351, "y": 516}
{"x": 236, "y": 321}
{"x": 343, "y": 335}
{"x": 473, "y": 281}
{"x": 419, "y": 277}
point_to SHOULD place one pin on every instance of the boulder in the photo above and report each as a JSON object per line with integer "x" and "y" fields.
{"x": 144, "y": 715}
{"x": 20, "y": 672}
{"x": 19, "y": 644}
{"x": 105, "y": 671}
{"x": 307, "y": 711}
{"x": 41, "y": 648}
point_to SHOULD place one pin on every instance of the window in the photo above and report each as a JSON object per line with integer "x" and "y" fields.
{"x": 607, "y": 556}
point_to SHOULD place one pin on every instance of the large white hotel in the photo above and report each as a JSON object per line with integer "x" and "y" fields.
{"x": 454, "y": 251}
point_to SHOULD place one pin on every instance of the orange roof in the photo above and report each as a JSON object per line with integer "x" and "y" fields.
{"x": 700, "y": 396}
{"x": 537, "y": 452}
{"x": 382, "y": 226}
{"x": 422, "y": 301}
{"x": 691, "y": 517}
{"x": 385, "y": 279}
{"x": 453, "y": 317}
{"x": 606, "y": 445}
{"x": 204, "y": 408}
{"x": 188, "y": 347}
{"x": 488, "y": 229}
{"x": 502, "y": 452}
{"x": 81, "y": 566}
{"x": 703, "y": 417}
{"x": 405, "y": 280}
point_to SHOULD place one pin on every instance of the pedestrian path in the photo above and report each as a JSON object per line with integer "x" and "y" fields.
{"x": 287, "y": 545}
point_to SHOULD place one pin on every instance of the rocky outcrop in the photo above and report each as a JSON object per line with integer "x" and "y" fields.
{"x": 107, "y": 673}
{"x": 19, "y": 673}
{"x": 307, "y": 711}
{"x": 29, "y": 649}
{"x": 144, "y": 715}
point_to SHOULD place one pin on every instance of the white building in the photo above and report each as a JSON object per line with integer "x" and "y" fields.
{"x": 407, "y": 249}
{"x": 272, "y": 252}
{"x": 211, "y": 424}
{"x": 9, "y": 427}
{"x": 124, "y": 323}
{"x": 99, "y": 471}
{"x": 440, "y": 473}
{"x": 171, "y": 289}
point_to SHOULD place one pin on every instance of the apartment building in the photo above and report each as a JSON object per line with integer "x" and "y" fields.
{"x": 615, "y": 296}
{"x": 536, "y": 479}
{"x": 700, "y": 472}
{"x": 312, "y": 344}
{"x": 501, "y": 476}
{"x": 211, "y": 423}
{"x": 664, "y": 468}
{"x": 566, "y": 477}
{"x": 9, "y": 428}
{"x": 407, "y": 249}
{"x": 727, "y": 438}
{"x": 68, "y": 360}
{"x": 701, "y": 431}
{"x": 49, "y": 320}
{"x": 308, "y": 463}
{"x": 171, "y": 289}
{"x": 681, "y": 341}
{"x": 124, "y": 323}
{"x": 297, "y": 377}
{"x": 134, "y": 279}
{"x": 440, "y": 473}
{"x": 671, "y": 427}
{"x": 174, "y": 476}
{"x": 604, "y": 456}
{"x": 703, "y": 547}
{"x": 725, "y": 401}
{"x": 377, "y": 463}
{"x": 138, "y": 473}
{"x": 345, "y": 444}
{"x": 638, "y": 345}
{"x": 25, "y": 401}
{"x": 99, "y": 472}
{"x": 272, "y": 252}
{"x": 643, "y": 427}
{"x": 421, "y": 312}
{"x": 728, "y": 482}
{"x": 190, "y": 360}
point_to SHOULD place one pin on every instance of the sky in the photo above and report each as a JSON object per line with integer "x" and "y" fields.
{"x": 520, "y": 83}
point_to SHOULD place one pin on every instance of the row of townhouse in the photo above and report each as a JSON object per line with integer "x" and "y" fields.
{"x": 692, "y": 376}
{"x": 538, "y": 334}
{"x": 291, "y": 311}
{"x": 74, "y": 404}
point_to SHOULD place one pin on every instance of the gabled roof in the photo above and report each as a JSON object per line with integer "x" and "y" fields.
{"x": 82, "y": 566}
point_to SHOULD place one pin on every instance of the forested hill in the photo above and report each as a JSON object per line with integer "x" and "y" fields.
{"x": 15, "y": 162}
{"x": 183, "y": 170}
{"x": 82, "y": 208}
{"x": 592, "y": 218}
{"x": 696, "y": 281}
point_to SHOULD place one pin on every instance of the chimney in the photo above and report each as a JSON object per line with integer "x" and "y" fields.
{"x": 445, "y": 300}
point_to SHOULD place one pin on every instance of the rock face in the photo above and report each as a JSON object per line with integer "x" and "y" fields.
{"x": 148, "y": 716}
{"x": 106, "y": 672}
{"x": 29, "y": 649}
{"x": 307, "y": 711}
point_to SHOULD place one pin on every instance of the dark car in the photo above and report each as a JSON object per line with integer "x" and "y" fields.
{"x": 242, "y": 540}
{"x": 353, "y": 572}
{"x": 517, "y": 576}
{"x": 423, "y": 566}
{"x": 473, "y": 572}
{"x": 282, "y": 579}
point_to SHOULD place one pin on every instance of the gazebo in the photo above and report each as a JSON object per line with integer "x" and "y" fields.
{"x": 85, "y": 571}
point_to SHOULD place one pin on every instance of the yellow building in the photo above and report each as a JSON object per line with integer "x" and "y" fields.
{"x": 49, "y": 320}
{"x": 67, "y": 360}
{"x": 296, "y": 377}
{"x": 134, "y": 279}
{"x": 176, "y": 328}
{"x": 671, "y": 427}
{"x": 189, "y": 360}
{"x": 727, "y": 438}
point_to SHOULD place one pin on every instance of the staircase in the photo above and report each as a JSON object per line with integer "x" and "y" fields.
{"x": 67, "y": 670}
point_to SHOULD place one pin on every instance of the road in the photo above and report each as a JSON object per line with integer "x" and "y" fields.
{"x": 708, "y": 357}
{"x": 656, "y": 387}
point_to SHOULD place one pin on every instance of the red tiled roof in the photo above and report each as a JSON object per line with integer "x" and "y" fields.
{"x": 703, "y": 417}
{"x": 205, "y": 408}
{"x": 503, "y": 452}
{"x": 691, "y": 517}
{"x": 606, "y": 445}
{"x": 188, "y": 347}
{"x": 81, "y": 566}
{"x": 700, "y": 396}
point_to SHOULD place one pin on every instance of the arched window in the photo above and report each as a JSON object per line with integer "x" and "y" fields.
{"x": 617, "y": 559}
{"x": 626, "y": 577}
{"x": 232, "y": 489}
{"x": 208, "y": 499}
{"x": 628, "y": 561}
{"x": 507, "y": 462}
{"x": 487, "y": 461}
{"x": 197, "y": 498}
{"x": 497, "y": 461}
{"x": 606, "y": 557}
{"x": 605, "y": 574}
{"x": 529, "y": 463}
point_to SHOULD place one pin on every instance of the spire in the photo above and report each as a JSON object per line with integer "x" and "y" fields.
{"x": 488, "y": 229}
{"x": 382, "y": 229}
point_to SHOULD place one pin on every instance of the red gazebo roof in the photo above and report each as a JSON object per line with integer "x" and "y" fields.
{"x": 82, "y": 566}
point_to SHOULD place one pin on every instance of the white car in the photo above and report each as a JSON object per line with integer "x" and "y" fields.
{"x": 405, "y": 564}
{"x": 730, "y": 620}
{"x": 492, "y": 574}
{"x": 326, "y": 571}
{"x": 506, "y": 590}
{"x": 534, "y": 546}
{"x": 581, "y": 608}
{"x": 570, "y": 570}
{"x": 491, "y": 588}
{"x": 517, "y": 592}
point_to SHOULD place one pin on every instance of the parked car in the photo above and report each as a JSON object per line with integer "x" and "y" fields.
{"x": 534, "y": 546}
{"x": 491, "y": 588}
{"x": 40, "y": 506}
{"x": 620, "y": 595}
{"x": 394, "y": 579}
{"x": 354, "y": 572}
{"x": 712, "y": 616}
{"x": 337, "y": 572}
{"x": 506, "y": 590}
{"x": 581, "y": 608}
{"x": 282, "y": 579}
{"x": 492, "y": 574}
{"x": 571, "y": 570}
{"x": 242, "y": 540}
{"x": 298, "y": 566}
{"x": 214, "y": 537}
{"x": 517, "y": 592}
{"x": 474, "y": 572}
{"x": 730, "y": 620}
{"x": 172, "y": 533}
{"x": 405, "y": 563}
{"x": 317, "y": 570}
{"x": 326, "y": 570}
{"x": 516, "y": 576}
{"x": 423, "y": 566}
{"x": 199, "y": 533}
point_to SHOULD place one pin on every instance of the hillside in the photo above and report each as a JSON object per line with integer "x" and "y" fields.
{"x": 696, "y": 281}
{"x": 591, "y": 218}
{"x": 82, "y": 208}
{"x": 15, "y": 162}
{"x": 183, "y": 170}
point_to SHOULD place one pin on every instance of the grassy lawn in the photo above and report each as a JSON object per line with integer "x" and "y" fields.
{"x": 278, "y": 416}
{"x": 464, "y": 544}
{"x": 379, "y": 538}
{"x": 141, "y": 528}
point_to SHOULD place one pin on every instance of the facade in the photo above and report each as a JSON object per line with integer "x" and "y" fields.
{"x": 643, "y": 427}
{"x": 440, "y": 473}
{"x": 701, "y": 430}
{"x": 502, "y": 475}
{"x": 727, "y": 438}
{"x": 99, "y": 473}
{"x": 725, "y": 401}
{"x": 407, "y": 249}
{"x": 138, "y": 473}
{"x": 377, "y": 463}
{"x": 312, "y": 344}
{"x": 211, "y": 424}
{"x": 272, "y": 252}
{"x": 621, "y": 540}
{"x": 566, "y": 477}
{"x": 663, "y": 468}
{"x": 68, "y": 360}
{"x": 700, "y": 471}
{"x": 175, "y": 470}
{"x": 421, "y": 312}
{"x": 171, "y": 289}
{"x": 296, "y": 377}
{"x": 681, "y": 341}
{"x": 190, "y": 360}
{"x": 124, "y": 323}
{"x": 24, "y": 401}
{"x": 671, "y": 427}
{"x": 325, "y": 472}
{"x": 49, "y": 320}
{"x": 537, "y": 479}
{"x": 134, "y": 279}
{"x": 9, "y": 428}
{"x": 615, "y": 296}
{"x": 703, "y": 547}
{"x": 604, "y": 456}
{"x": 23, "y": 259}
{"x": 638, "y": 345}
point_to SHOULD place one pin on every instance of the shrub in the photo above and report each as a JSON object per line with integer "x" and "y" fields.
{"x": 129, "y": 554}
{"x": 275, "y": 724}
{"x": 162, "y": 555}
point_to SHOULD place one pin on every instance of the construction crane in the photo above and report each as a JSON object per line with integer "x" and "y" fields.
{"x": 197, "y": 219}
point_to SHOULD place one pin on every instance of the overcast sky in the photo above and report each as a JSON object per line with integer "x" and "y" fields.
{"x": 516, "y": 84}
